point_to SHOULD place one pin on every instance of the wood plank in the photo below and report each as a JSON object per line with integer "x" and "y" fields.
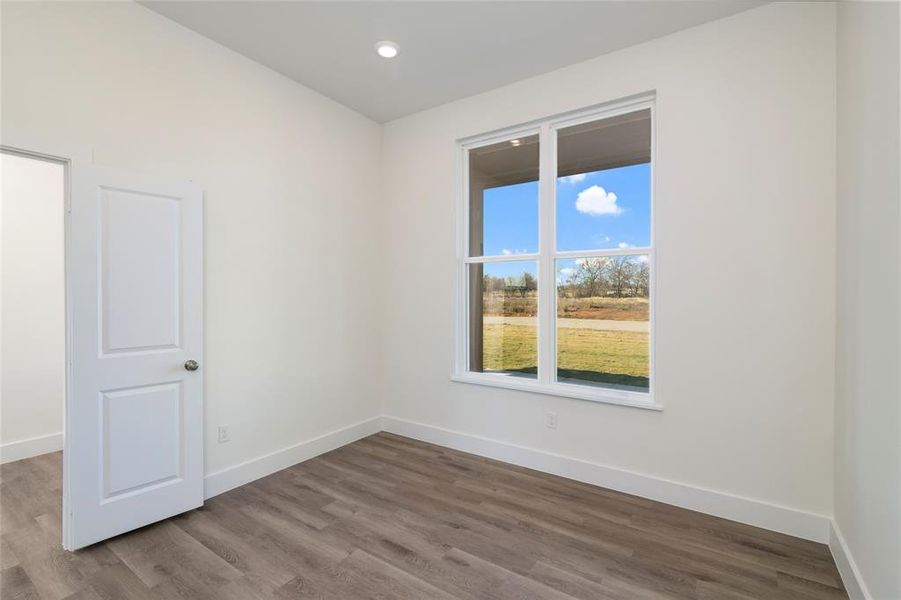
{"x": 391, "y": 517}
{"x": 16, "y": 584}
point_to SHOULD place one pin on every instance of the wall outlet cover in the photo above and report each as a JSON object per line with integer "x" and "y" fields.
{"x": 551, "y": 420}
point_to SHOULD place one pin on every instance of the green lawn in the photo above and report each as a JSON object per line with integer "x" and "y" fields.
{"x": 617, "y": 357}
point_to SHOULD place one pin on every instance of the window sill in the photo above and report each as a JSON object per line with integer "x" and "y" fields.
{"x": 579, "y": 392}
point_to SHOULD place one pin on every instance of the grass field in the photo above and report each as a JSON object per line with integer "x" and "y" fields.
{"x": 613, "y": 357}
{"x": 616, "y": 309}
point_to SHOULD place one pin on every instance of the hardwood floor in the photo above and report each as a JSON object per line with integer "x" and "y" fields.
{"x": 389, "y": 517}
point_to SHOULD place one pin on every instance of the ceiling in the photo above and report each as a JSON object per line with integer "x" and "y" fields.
{"x": 448, "y": 50}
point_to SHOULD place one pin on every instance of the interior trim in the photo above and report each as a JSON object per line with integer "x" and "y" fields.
{"x": 251, "y": 470}
{"x": 782, "y": 519}
{"x": 847, "y": 567}
{"x": 27, "y": 448}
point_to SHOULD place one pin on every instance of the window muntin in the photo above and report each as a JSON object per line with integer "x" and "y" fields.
{"x": 594, "y": 257}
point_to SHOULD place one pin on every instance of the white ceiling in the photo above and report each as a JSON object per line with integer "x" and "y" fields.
{"x": 449, "y": 50}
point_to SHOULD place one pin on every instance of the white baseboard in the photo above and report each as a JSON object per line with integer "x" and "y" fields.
{"x": 238, "y": 475}
{"x": 782, "y": 519}
{"x": 31, "y": 447}
{"x": 847, "y": 568}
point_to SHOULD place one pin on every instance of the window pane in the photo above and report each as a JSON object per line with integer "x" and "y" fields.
{"x": 602, "y": 321}
{"x": 503, "y": 198}
{"x": 503, "y": 328}
{"x": 604, "y": 183}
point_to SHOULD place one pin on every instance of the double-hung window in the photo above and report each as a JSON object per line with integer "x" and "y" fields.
{"x": 556, "y": 256}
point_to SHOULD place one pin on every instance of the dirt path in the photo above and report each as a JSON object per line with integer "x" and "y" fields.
{"x": 603, "y": 324}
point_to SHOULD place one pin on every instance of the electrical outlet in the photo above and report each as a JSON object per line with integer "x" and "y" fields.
{"x": 224, "y": 434}
{"x": 550, "y": 419}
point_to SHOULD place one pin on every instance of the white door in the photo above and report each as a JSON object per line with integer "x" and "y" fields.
{"x": 134, "y": 418}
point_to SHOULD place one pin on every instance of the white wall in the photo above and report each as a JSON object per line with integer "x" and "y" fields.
{"x": 746, "y": 273}
{"x": 33, "y": 343}
{"x": 745, "y": 190}
{"x": 291, "y": 182}
{"x": 868, "y": 399}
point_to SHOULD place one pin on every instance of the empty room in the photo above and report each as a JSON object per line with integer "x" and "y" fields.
{"x": 450, "y": 300}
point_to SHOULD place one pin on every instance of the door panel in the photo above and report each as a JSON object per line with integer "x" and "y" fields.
{"x": 139, "y": 263}
{"x": 142, "y": 441}
{"x": 134, "y": 421}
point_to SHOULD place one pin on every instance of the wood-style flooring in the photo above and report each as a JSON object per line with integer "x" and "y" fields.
{"x": 389, "y": 517}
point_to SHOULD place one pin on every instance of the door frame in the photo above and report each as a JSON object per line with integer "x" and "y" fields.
{"x": 73, "y": 158}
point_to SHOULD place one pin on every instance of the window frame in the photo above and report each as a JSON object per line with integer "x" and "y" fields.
{"x": 546, "y": 258}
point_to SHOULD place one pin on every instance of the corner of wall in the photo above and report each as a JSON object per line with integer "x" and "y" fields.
{"x": 847, "y": 567}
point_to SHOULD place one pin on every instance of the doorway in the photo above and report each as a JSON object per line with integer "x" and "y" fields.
{"x": 32, "y": 325}
{"x": 129, "y": 293}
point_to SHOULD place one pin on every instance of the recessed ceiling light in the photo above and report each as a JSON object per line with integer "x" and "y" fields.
{"x": 387, "y": 49}
{"x": 515, "y": 142}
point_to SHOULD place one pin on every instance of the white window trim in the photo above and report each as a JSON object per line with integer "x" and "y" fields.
{"x": 546, "y": 257}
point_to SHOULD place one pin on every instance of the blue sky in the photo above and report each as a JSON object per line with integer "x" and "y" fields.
{"x": 511, "y": 219}
{"x": 604, "y": 209}
{"x": 511, "y": 269}
{"x": 599, "y": 210}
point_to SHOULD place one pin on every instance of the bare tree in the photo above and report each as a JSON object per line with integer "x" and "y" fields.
{"x": 493, "y": 284}
{"x": 619, "y": 273}
{"x": 618, "y": 276}
{"x": 572, "y": 284}
{"x": 590, "y": 276}
{"x": 529, "y": 282}
{"x": 643, "y": 279}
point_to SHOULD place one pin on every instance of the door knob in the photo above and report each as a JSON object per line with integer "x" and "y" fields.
{"x": 192, "y": 365}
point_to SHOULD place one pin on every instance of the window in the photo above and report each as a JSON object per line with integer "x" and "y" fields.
{"x": 556, "y": 257}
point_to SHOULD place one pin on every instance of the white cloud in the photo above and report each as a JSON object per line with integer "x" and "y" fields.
{"x": 567, "y": 271}
{"x": 508, "y": 252}
{"x": 582, "y": 261}
{"x": 643, "y": 258}
{"x": 623, "y": 245}
{"x": 595, "y": 200}
{"x": 574, "y": 179}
